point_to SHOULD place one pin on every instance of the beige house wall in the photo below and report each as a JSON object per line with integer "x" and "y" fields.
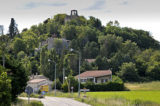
{"x": 36, "y": 86}
{"x": 103, "y": 79}
{"x": 97, "y": 79}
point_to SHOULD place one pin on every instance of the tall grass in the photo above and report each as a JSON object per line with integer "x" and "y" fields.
{"x": 143, "y": 96}
{"x": 21, "y": 102}
{"x": 152, "y": 86}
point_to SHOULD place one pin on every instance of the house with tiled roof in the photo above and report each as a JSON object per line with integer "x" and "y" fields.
{"x": 36, "y": 81}
{"x": 96, "y": 76}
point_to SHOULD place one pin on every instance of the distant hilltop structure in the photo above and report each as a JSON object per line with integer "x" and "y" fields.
{"x": 74, "y": 14}
{"x": 1, "y": 29}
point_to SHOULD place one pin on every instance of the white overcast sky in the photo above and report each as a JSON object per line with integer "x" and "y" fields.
{"x": 139, "y": 14}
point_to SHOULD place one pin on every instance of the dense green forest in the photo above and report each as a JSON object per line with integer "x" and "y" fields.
{"x": 131, "y": 54}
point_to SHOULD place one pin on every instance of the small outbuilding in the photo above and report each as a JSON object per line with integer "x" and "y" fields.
{"x": 96, "y": 76}
{"x": 37, "y": 81}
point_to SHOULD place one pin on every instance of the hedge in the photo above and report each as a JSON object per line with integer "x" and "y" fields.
{"x": 109, "y": 86}
{"x": 115, "y": 85}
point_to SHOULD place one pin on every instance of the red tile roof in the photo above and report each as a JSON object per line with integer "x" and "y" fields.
{"x": 90, "y": 60}
{"x": 95, "y": 73}
{"x": 36, "y": 81}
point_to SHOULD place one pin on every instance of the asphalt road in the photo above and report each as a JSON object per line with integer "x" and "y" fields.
{"x": 56, "y": 101}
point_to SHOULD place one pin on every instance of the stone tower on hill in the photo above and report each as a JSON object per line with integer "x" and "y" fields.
{"x": 74, "y": 14}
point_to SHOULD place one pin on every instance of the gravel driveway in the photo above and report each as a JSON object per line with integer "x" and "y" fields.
{"x": 57, "y": 101}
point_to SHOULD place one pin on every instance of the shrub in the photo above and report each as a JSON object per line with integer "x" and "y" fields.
{"x": 73, "y": 83}
{"x": 36, "y": 103}
{"x": 5, "y": 89}
{"x": 65, "y": 87}
{"x": 21, "y": 102}
{"x": 115, "y": 85}
{"x": 58, "y": 84}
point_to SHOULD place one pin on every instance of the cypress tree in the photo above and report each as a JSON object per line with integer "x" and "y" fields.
{"x": 13, "y": 30}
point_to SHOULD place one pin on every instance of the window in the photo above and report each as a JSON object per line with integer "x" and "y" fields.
{"x": 83, "y": 80}
{"x": 101, "y": 80}
{"x": 95, "y": 80}
{"x": 106, "y": 80}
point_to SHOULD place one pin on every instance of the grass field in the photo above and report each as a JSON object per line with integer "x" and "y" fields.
{"x": 127, "y": 96}
{"x": 121, "y": 98}
{"x": 140, "y": 94}
{"x": 149, "y": 86}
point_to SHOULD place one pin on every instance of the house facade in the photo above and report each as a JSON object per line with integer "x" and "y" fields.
{"x": 96, "y": 76}
{"x": 37, "y": 81}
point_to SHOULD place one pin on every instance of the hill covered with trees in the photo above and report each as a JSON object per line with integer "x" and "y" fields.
{"x": 133, "y": 55}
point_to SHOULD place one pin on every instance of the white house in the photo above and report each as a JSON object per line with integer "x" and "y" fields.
{"x": 96, "y": 76}
{"x": 37, "y": 81}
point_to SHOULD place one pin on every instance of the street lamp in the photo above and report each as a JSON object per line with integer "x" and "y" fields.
{"x": 49, "y": 60}
{"x": 79, "y": 71}
{"x": 69, "y": 83}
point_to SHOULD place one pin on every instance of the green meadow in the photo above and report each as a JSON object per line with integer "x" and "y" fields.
{"x": 126, "y": 97}
{"x": 139, "y": 94}
{"x": 148, "y": 86}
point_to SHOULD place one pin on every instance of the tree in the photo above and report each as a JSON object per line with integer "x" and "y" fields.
{"x": 4, "y": 46}
{"x": 21, "y": 55}
{"x": 58, "y": 84}
{"x": 88, "y": 66}
{"x": 5, "y": 89}
{"x": 73, "y": 83}
{"x": 86, "y": 34}
{"x": 153, "y": 70}
{"x": 125, "y": 54}
{"x": 128, "y": 72}
{"x": 53, "y": 28}
{"x": 31, "y": 41}
{"x": 143, "y": 38}
{"x": 47, "y": 63}
{"x": 13, "y": 30}
{"x": 44, "y": 61}
{"x": 34, "y": 67}
{"x": 19, "y": 45}
{"x": 18, "y": 76}
{"x": 78, "y": 21}
{"x": 71, "y": 63}
{"x": 58, "y": 45}
{"x": 102, "y": 63}
{"x": 90, "y": 50}
{"x": 60, "y": 18}
{"x": 109, "y": 45}
{"x": 142, "y": 60}
{"x": 69, "y": 32}
{"x": 94, "y": 22}
{"x": 27, "y": 65}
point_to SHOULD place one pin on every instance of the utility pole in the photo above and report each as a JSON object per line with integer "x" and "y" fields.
{"x": 55, "y": 80}
{"x": 63, "y": 74}
{"x": 49, "y": 60}
{"x": 79, "y": 75}
{"x": 79, "y": 81}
